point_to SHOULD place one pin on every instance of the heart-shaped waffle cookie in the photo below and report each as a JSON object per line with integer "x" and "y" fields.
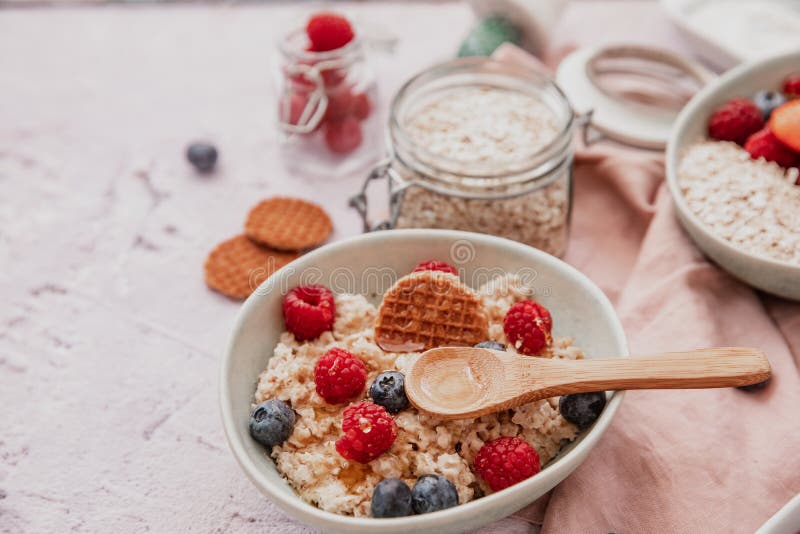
{"x": 430, "y": 309}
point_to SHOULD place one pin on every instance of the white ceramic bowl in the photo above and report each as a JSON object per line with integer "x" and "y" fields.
{"x": 368, "y": 264}
{"x": 774, "y": 276}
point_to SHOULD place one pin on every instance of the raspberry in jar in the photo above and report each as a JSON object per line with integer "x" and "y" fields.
{"x": 326, "y": 98}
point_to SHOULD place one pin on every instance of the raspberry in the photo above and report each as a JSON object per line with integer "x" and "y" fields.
{"x": 340, "y": 105}
{"x": 339, "y": 376}
{"x": 309, "y": 311}
{"x": 343, "y": 136}
{"x": 361, "y": 106}
{"x": 435, "y": 265}
{"x": 328, "y": 31}
{"x": 505, "y": 461}
{"x": 344, "y": 102}
{"x": 527, "y": 325}
{"x": 791, "y": 86}
{"x": 368, "y": 430}
{"x": 764, "y": 144}
{"x": 735, "y": 121}
{"x": 333, "y": 77}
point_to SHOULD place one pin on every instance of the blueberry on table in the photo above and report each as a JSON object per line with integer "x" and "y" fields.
{"x": 756, "y": 387}
{"x": 391, "y": 498}
{"x": 766, "y": 101}
{"x": 389, "y": 391}
{"x": 582, "y": 409}
{"x": 202, "y": 155}
{"x": 490, "y": 344}
{"x": 432, "y": 493}
{"x": 271, "y": 423}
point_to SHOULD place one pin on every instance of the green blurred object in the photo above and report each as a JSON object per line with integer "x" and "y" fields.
{"x": 489, "y": 34}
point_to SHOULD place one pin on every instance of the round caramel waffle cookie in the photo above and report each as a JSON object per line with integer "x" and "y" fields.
{"x": 429, "y": 309}
{"x": 288, "y": 223}
{"x": 237, "y": 266}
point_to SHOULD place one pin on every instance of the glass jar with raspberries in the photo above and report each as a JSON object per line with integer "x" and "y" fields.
{"x": 326, "y": 98}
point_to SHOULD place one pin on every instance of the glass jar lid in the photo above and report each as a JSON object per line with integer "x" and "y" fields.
{"x": 630, "y": 94}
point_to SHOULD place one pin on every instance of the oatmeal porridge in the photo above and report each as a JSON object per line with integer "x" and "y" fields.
{"x": 310, "y": 457}
{"x": 742, "y": 181}
{"x": 752, "y": 203}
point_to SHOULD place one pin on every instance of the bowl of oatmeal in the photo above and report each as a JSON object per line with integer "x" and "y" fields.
{"x": 313, "y": 473}
{"x": 742, "y": 212}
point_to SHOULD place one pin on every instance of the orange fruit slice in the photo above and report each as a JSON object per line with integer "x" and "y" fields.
{"x": 785, "y": 124}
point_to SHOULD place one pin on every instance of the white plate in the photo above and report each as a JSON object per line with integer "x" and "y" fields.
{"x": 626, "y": 123}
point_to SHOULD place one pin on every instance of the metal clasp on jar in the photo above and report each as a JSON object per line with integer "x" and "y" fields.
{"x": 589, "y": 135}
{"x": 396, "y": 187}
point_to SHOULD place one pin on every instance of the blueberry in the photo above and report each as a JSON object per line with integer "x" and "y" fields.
{"x": 202, "y": 155}
{"x": 766, "y": 101}
{"x": 432, "y": 493}
{"x": 490, "y": 344}
{"x": 389, "y": 391}
{"x": 756, "y": 387}
{"x": 271, "y": 423}
{"x": 582, "y": 408}
{"x": 391, "y": 498}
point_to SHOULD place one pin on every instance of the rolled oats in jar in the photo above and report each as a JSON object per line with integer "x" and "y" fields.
{"x": 481, "y": 146}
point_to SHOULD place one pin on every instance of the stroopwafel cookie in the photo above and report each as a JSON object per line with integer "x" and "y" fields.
{"x": 288, "y": 223}
{"x": 237, "y": 266}
{"x": 429, "y": 309}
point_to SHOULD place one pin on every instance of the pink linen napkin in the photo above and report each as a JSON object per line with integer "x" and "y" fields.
{"x": 683, "y": 460}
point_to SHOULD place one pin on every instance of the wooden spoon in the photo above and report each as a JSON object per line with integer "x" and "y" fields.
{"x": 465, "y": 382}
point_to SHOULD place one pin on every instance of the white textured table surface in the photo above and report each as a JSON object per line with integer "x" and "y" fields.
{"x": 109, "y": 340}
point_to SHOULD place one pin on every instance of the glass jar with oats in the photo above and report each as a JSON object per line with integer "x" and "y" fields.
{"x": 483, "y": 146}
